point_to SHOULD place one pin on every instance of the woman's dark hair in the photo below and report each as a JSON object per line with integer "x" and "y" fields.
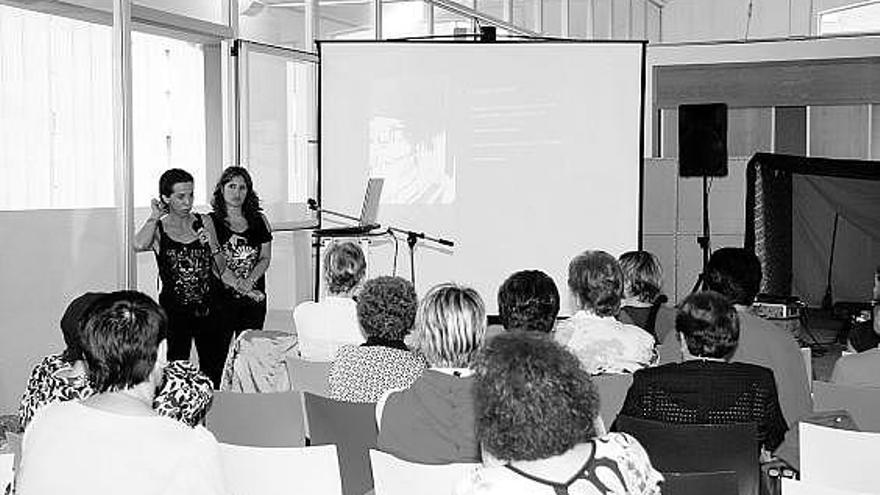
{"x": 120, "y": 338}
{"x": 709, "y": 325}
{"x": 528, "y": 300}
{"x": 595, "y": 278}
{"x": 250, "y": 208}
{"x": 642, "y": 276}
{"x": 386, "y": 308}
{"x": 173, "y": 176}
{"x": 344, "y": 267}
{"x": 533, "y": 398}
{"x": 734, "y": 273}
{"x": 72, "y": 322}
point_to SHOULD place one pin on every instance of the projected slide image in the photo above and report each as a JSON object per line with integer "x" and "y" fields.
{"x": 414, "y": 167}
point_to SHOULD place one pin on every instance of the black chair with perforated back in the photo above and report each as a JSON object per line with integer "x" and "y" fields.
{"x": 352, "y": 428}
{"x": 681, "y": 451}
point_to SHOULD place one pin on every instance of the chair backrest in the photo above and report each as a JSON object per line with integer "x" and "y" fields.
{"x": 612, "y": 391}
{"x": 839, "y": 458}
{"x": 309, "y": 376}
{"x": 352, "y": 427}
{"x": 807, "y": 355}
{"x": 257, "y": 420}
{"x": 281, "y": 470}
{"x": 714, "y": 482}
{"x": 395, "y": 476}
{"x": 797, "y": 487}
{"x": 862, "y": 403}
{"x": 14, "y": 461}
{"x": 679, "y": 448}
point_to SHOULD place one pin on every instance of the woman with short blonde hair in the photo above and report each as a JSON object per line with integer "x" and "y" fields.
{"x": 432, "y": 422}
{"x": 450, "y": 325}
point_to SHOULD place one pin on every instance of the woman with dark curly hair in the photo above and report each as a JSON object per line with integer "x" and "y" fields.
{"x": 245, "y": 238}
{"x": 386, "y": 309}
{"x": 707, "y": 388}
{"x": 536, "y": 408}
{"x": 432, "y": 422}
{"x": 593, "y": 334}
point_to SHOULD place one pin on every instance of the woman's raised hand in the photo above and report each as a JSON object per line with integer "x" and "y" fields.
{"x": 158, "y": 209}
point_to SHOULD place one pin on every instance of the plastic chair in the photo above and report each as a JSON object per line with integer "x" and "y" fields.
{"x": 257, "y": 420}
{"x": 862, "y": 403}
{"x": 715, "y": 482}
{"x": 280, "y": 470}
{"x": 839, "y": 459}
{"x": 681, "y": 448}
{"x": 352, "y": 427}
{"x": 797, "y": 487}
{"x": 612, "y": 391}
{"x": 309, "y": 376}
{"x": 395, "y": 476}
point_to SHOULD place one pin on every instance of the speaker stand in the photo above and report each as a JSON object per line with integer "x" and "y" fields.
{"x": 704, "y": 240}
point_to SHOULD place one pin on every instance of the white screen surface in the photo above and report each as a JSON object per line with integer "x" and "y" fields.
{"x": 523, "y": 154}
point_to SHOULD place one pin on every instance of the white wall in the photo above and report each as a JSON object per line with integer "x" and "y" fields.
{"x": 49, "y": 257}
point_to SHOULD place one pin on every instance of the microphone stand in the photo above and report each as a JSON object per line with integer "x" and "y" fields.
{"x": 412, "y": 238}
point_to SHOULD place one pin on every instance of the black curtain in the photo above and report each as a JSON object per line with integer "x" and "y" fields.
{"x": 791, "y": 202}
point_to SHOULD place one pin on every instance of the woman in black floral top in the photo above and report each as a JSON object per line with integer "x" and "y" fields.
{"x": 184, "y": 395}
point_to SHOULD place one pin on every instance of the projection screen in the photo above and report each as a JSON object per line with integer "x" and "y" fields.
{"x": 522, "y": 153}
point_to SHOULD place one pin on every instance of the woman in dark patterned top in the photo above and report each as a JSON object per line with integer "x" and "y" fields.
{"x": 189, "y": 261}
{"x": 386, "y": 310}
{"x": 707, "y": 388}
{"x": 245, "y": 238}
{"x": 184, "y": 394}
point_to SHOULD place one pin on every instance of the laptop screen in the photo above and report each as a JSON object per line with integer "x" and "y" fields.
{"x": 370, "y": 211}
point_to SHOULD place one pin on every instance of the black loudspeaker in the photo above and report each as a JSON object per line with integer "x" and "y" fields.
{"x": 702, "y": 140}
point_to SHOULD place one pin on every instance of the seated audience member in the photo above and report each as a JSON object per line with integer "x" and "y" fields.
{"x": 323, "y": 327}
{"x": 114, "y": 441}
{"x": 528, "y": 300}
{"x": 386, "y": 310}
{"x": 601, "y": 342}
{"x": 736, "y": 274}
{"x": 432, "y": 422}
{"x": 863, "y": 369}
{"x": 535, "y": 412}
{"x": 643, "y": 303}
{"x": 184, "y": 393}
{"x": 707, "y": 388}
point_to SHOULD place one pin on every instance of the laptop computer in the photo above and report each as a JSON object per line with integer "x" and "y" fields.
{"x": 369, "y": 213}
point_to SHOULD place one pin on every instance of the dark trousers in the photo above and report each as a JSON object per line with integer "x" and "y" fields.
{"x": 242, "y": 313}
{"x": 211, "y": 338}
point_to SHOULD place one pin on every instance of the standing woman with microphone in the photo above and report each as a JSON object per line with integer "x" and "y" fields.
{"x": 245, "y": 239}
{"x": 189, "y": 261}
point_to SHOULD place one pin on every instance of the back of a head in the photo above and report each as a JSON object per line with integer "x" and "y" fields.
{"x": 734, "y": 273}
{"x": 386, "y": 308}
{"x": 642, "y": 275}
{"x": 528, "y": 300}
{"x": 533, "y": 398}
{"x": 72, "y": 321}
{"x": 344, "y": 267}
{"x": 450, "y": 325}
{"x": 121, "y": 336}
{"x": 709, "y": 324}
{"x": 594, "y": 277}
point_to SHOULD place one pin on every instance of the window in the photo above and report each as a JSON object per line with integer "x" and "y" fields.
{"x": 862, "y": 17}
{"x": 56, "y": 134}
